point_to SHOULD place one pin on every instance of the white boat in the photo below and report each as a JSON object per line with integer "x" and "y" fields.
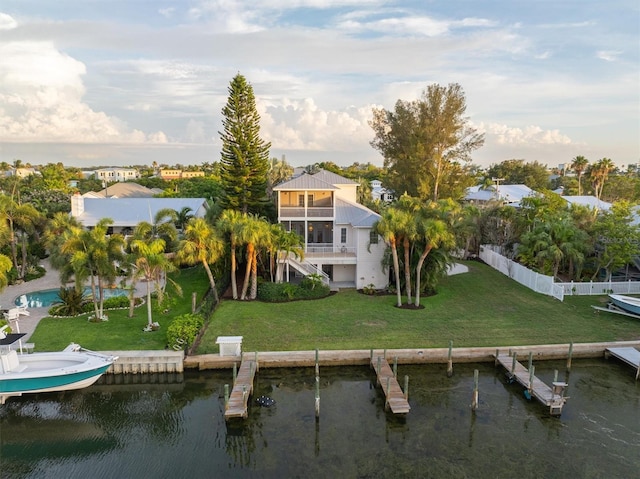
{"x": 72, "y": 368}
{"x": 627, "y": 303}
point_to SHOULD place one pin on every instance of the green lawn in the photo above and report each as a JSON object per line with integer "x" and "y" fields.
{"x": 120, "y": 332}
{"x": 480, "y": 308}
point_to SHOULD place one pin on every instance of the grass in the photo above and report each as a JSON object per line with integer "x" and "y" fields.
{"x": 480, "y": 308}
{"x": 120, "y": 332}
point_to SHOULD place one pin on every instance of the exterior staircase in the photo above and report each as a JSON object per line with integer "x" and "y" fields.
{"x": 306, "y": 268}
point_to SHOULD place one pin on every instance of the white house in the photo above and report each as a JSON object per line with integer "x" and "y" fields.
{"x": 378, "y": 192}
{"x": 588, "y": 200}
{"x": 337, "y": 231}
{"x": 117, "y": 174}
{"x": 126, "y": 213}
{"x": 506, "y": 194}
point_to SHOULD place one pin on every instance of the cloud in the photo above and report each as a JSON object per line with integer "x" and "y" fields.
{"x": 41, "y": 91}
{"x": 608, "y": 55}
{"x": 530, "y": 136}
{"x": 7, "y": 22}
{"x": 167, "y": 12}
{"x": 302, "y": 125}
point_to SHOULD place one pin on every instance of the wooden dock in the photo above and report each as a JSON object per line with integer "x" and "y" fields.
{"x": 394, "y": 397}
{"x": 552, "y": 397}
{"x": 242, "y": 389}
{"x": 631, "y": 356}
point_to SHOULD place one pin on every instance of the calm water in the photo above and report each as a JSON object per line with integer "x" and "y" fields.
{"x": 178, "y": 430}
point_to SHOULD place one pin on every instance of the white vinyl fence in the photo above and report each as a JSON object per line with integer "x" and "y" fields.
{"x": 546, "y": 285}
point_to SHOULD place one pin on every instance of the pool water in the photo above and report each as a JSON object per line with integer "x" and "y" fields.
{"x": 47, "y": 297}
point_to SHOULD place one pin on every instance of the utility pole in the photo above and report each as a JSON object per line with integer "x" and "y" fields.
{"x": 497, "y": 182}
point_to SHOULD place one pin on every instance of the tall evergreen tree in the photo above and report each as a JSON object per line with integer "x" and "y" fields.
{"x": 245, "y": 156}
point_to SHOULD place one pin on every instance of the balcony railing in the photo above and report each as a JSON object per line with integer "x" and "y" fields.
{"x": 328, "y": 249}
{"x": 311, "y": 212}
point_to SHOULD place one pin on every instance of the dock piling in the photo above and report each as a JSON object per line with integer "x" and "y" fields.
{"x": 406, "y": 387}
{"x": 395, "y": 367}
{"x": 569, "y": 358}
{"x": 450, "y": 360}
{"x": 474, "y": 401}
{"x": 226, "y": 396}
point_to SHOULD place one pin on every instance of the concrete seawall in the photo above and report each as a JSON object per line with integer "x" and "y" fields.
{"x": 285, "y": 359}
{"x": 144, "y": 362}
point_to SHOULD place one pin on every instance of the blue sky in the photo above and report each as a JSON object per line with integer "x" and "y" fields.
{"x": 99, "y": 82}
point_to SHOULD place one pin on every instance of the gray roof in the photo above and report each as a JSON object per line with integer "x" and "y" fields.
{"x": 354, "y": 214}
{"x": 322, "y": 180}
{"x": 588, "y": 200}
{"x": 131, "y": 211}
{"x": 129, "y": 190}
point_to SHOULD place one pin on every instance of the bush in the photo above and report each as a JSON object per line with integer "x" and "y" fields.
{"x": 71, "y": 302}
{"x": 183, "y": 330}
{"x": 282, "y": 292}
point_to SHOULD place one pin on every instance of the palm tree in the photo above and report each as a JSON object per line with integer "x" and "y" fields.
{"x": 163, "y": 225}
{"x": 600, "y": 173}
{"x": 434, "y": 233}
{"x": 21, "y": 220}
{"x": 388, "y": 227}
{"x": 282, "y": 244}
{"x": 152, "y": 264}
{"x": 93, "y": 254}
{"x": 230, "y": 222}
{"x": 201, "y": 244}
{"x": 182, "y": 217}
{"x": 5, "y": 267}
{"x": 251, "y": 235}
{"x": 579, "y": 165}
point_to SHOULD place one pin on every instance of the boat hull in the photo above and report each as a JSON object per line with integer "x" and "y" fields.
{"x": 627, "y": 303}
{"x": 72, "y": 368}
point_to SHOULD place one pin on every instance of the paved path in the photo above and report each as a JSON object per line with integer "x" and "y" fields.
{"x": 51, "y": 280}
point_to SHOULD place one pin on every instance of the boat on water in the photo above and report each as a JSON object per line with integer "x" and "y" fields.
{"x": 71, "y": 368}
{"x": 626, "y": 303}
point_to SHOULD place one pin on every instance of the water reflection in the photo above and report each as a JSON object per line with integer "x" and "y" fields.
{"x": 153, "y": 427}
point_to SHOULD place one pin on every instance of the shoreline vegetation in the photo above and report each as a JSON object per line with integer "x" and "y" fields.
{"x": 481, "y": 308}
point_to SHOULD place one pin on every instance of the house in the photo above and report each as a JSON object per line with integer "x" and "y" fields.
{"x": 338, "y": 239}
{"x": 109, "y": 175}
{"x": 506, "y": 194}
{"x": 588, "y": 200}
{"x": 126, "y": 213}
{"x": 124, "y": 190}
{"x": 378, "y": 192}
{"x": 180, "y": 174}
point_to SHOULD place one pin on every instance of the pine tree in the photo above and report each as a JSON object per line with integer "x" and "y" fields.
{"x": 245, "y": 156}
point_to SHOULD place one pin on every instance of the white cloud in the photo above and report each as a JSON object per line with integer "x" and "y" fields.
{"x": 167, "y": 12}
{"x": 41, "y": 92}
{"x": 529, "y": 136}
{"x": 608, "y": 55}
{"x": 7, "y": 22}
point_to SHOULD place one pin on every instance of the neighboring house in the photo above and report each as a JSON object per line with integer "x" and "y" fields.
{"x": 110, "y": 175}
{"x": 124, "y": 190}
{"x": 506, "y": 194}
{"x": 378, "y": 192}
{"x": 590, "y": 201}
{"x": 179, "y": 174}
{"x": 126, "y": 213}
{"x": 337, "y": 231}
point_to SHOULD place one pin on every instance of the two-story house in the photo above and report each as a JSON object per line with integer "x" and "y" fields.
{"x": 337, "y": 231}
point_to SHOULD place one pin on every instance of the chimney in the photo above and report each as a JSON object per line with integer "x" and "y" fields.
{"x": 77, "y": 204}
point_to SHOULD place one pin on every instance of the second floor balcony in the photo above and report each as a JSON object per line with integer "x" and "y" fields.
{"x": 308, "y": 212}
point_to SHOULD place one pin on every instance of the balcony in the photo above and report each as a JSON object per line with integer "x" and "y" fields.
{"x": 310, "y": 212}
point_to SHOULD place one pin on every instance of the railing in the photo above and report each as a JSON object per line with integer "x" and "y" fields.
{"x": 327, "y": 249}
{"x": 310, "y": 212}
{"x": 307, "y": 268}
{"x": 546, "y": 284}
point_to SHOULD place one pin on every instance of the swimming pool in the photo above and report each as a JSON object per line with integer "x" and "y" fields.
{"x": 45, "y": 298}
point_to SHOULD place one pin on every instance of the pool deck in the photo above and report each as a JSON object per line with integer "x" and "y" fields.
{"x": 51, "y": 280}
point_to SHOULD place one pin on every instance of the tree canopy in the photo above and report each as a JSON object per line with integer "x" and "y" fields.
{"x": 245, "y": 156}
{"x": 423, "y": 143}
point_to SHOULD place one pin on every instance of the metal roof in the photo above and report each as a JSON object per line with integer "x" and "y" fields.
{"x": 354, "y": 214}
{"x": 131, "y": 211}
{"x": 322, "y": 180}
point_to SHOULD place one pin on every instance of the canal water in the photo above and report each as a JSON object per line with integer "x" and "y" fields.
{"x": 173, "y": 427}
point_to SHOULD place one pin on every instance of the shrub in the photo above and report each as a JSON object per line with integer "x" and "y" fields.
{"x": 71, "y": 302}
{"x": 184, "y": 329}
{"x": 369, "y": 289}
{"x": 311, "y": 281}
{"x": 281, "y": 292}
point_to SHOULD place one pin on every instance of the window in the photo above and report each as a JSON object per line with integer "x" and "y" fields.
{"x": 309, "y": 200}
{"x": 301, "y": 200}
{"x": 373, "y": 237}
{"x": 343, "y": 235}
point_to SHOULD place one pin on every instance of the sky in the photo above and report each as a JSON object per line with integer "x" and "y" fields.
{"x": 130, "y": 82}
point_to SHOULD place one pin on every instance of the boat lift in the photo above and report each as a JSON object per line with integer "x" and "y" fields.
{"x": 612, "y": 308}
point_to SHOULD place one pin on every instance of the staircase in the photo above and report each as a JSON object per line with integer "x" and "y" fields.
{"x": 306, "y": 268}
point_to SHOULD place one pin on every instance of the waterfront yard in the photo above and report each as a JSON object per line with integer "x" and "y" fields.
{"x": 479, "y": 308}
